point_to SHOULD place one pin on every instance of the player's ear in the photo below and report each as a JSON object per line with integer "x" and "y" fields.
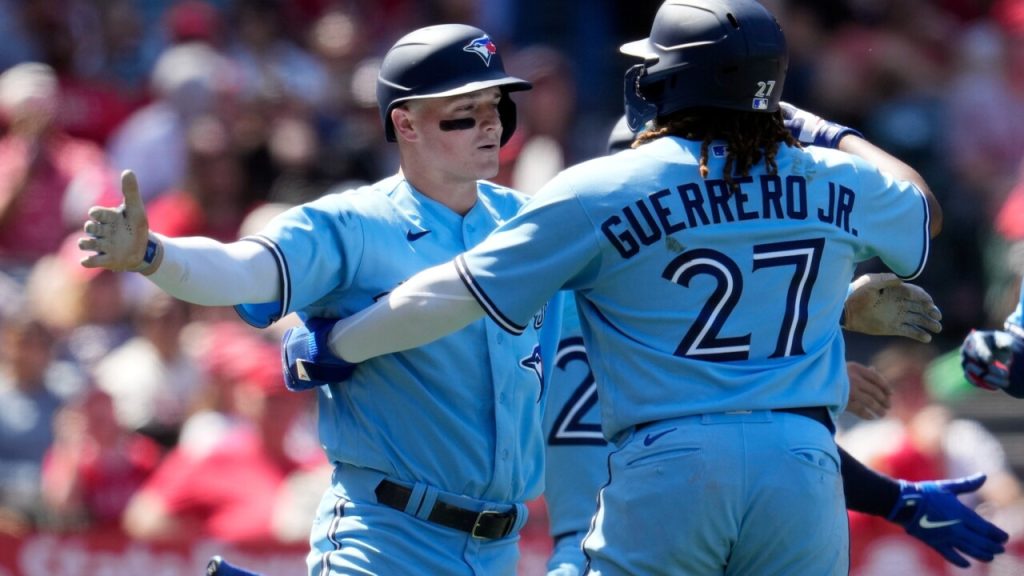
{"x": 405, "y": 124}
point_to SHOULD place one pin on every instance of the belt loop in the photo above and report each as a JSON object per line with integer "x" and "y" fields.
{"x": 427, "y": 497}
{"x": 522, "y": 515}
{"x": 415, "y": 503}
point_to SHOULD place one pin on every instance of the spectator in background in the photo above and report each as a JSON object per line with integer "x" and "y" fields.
{"x": 48, "y": 178}
{"x": 347, "y": 124}
{"x": 189, "y": 80}
{"x": 295, "y": 151}
{"x": 542, "y": 145}
{"x": 352, "y": 152}
{"x": 152, "y": 381}
{"x": 94, "y": 466}
{"x": 985, "y": 139}
{"x": 28, "y": 402}
{"x": 227, "y": 488}
{"x": 87, "y": 312}
{"x": 210, "y": 200}
{"x": 984, "y": 143}
{"x": 278, "y": 78}
{"x": 272, "y": 66}
{"x": 919, "y": 439}
{"x": 193, "y": 21}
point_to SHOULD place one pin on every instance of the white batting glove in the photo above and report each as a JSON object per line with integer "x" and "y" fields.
{"x": 883, "y": 305}
{"x": 120, "y": 236}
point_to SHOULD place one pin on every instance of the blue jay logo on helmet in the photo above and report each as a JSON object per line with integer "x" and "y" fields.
{"x": 482, "y": 47}
{"x": 435, "y": 62}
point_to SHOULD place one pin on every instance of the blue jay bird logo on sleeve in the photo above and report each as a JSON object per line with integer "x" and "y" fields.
{"x": 482, "y": 47}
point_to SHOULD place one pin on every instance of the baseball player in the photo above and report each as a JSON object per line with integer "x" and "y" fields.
{"x": 710, "y": 266}
{"x": 994, "y": 359}
{"x": 576, "y": 465}
{"x": 435, "y": 449}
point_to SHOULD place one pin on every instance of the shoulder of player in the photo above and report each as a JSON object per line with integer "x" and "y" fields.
{"x": 498, "y": 195}
{"x": 827, "y": 157}
{"x": 358, "y": 197}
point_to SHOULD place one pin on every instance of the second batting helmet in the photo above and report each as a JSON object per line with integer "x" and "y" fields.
{"x": 715, "y": 53}
{"x": 440, "y": 61}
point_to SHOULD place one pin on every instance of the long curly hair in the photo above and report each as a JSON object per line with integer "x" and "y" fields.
{"x": 750, "y": 137}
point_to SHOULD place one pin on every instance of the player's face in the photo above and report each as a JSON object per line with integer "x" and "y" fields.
{"x": 462, "y": 133}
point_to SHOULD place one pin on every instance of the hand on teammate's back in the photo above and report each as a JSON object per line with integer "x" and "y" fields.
{"x": 307, "y": 357}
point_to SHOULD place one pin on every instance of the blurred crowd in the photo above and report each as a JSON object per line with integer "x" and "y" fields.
{"x": 124, "y": 409}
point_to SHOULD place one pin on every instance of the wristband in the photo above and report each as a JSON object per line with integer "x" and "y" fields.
{"x": 148, "y": 257}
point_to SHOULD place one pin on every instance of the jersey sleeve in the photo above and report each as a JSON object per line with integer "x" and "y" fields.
{"x": 317, "y": 248}
{"x": 895, "y": 221}
{"x": 515, "y": 270}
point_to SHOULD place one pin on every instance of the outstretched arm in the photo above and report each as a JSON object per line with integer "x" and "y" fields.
{"x": 929, "y": 511}
{"x": 191, "y": 269}
{"x": 431, "y": 304}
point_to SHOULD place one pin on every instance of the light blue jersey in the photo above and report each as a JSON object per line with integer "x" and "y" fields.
{"x": 694, "y": 300}
{"x": 460, "y": 417}
{"x": 577, "y": 454}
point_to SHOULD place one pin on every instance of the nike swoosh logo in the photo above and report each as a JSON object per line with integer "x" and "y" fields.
{"x": 414, "y": 235}
{"x": 925, "y": 523}
{"x": 652, "y": 438}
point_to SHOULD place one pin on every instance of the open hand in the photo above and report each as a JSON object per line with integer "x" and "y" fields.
{"x": 118, "y": 236}
{"x": 883, "y": 305}
{"x": 869, "y": 392}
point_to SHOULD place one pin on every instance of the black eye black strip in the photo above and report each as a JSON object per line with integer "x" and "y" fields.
{"x": 457, "y": 124}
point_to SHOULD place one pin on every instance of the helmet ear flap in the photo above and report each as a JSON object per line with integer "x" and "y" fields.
{"x": 507, "y": 114}
{"x": 639, "y": 111}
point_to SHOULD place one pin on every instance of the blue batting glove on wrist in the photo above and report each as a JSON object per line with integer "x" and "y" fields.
{"x": 811, "y": 129}
{"x": 307, "y": 359}
{"x": 986, "y": 356}
{"x": 931, "y": 512}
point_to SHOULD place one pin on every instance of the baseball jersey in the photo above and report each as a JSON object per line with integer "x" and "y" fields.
{"x": 461, "y": 414}
{"x": 577, "y": 454}
{"x": 693, "y": 299}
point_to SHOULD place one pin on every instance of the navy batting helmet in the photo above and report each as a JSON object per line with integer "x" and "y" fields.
{"x": 444, "y": 60}
{"x": 715, "y": 53}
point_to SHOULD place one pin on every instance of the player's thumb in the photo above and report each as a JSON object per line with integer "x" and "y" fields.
{"x": 133, "y": 206}
{"x": 966, "y": 484}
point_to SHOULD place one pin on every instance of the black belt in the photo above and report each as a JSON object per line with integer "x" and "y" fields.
{"x": 816, "y": 413}
{"x": 487, "y": 524}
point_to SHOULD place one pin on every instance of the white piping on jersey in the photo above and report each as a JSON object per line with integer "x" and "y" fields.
{"x": 500, "y": 319}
